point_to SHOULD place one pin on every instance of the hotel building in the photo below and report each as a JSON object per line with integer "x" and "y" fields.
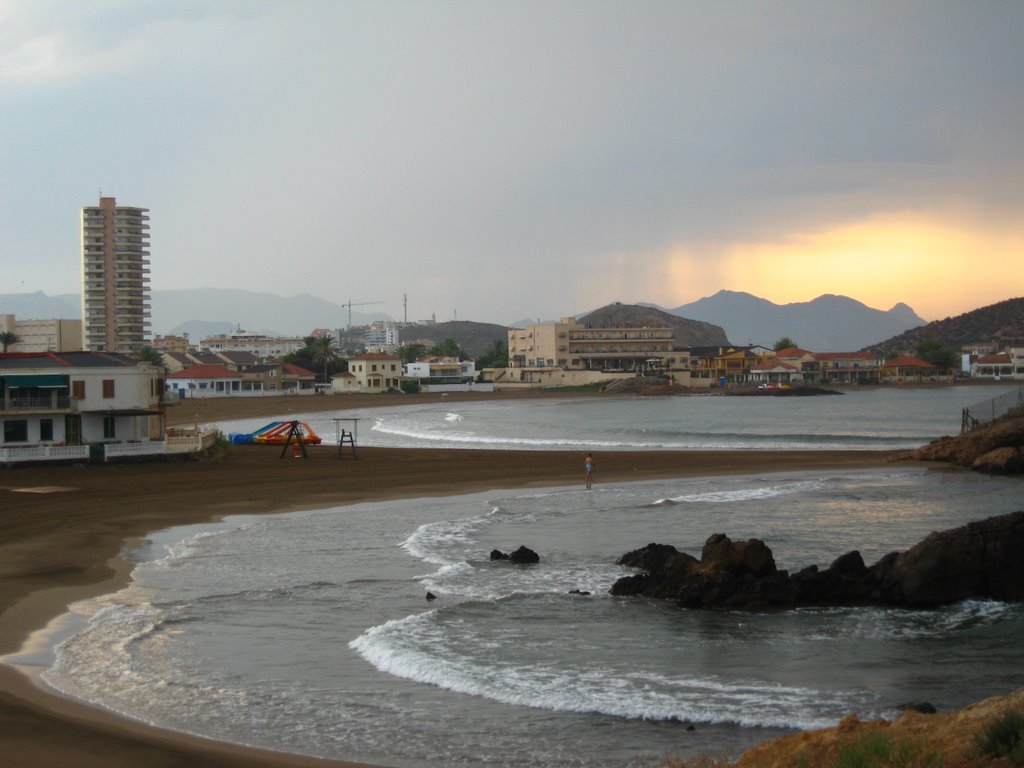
{"x": 115, "y": 277}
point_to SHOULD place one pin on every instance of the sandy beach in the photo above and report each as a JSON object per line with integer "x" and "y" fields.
{"x": 62, "y": 528}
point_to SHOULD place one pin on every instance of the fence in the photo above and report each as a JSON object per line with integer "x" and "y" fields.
{"x": 988, "y": 411}
{"x": 44, "y": 453}
{"x": 173, "y": 444}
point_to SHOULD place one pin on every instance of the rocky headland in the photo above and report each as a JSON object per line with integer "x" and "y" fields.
{"x": 996, "y": 448}
{"x": 978, "y": 560}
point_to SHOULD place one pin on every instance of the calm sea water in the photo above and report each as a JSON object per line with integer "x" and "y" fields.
{"x": 310, "y": 632}
{"x": 858, "y": 419}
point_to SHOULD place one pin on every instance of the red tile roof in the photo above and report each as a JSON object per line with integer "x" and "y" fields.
{"x": 205, "y": 372}
{"x": 298, "y": 370}
{"x": 908, "y": 361}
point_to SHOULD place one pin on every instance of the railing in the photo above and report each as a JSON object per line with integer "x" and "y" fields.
{"x": 988, "y": 411}
{"x": 143, "y": 448}
{"x": 36, "y": 403}
{"x": 44, "y": 453}
{"x": 173, "y": 444}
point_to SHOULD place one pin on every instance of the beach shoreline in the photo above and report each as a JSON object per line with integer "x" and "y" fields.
{"x": 65, "y": 527}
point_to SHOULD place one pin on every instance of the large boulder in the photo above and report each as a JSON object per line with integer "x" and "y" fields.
{"x": 978, "y": 560}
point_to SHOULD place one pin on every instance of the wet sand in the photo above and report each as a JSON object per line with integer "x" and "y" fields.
{"x": 62, "y": 528}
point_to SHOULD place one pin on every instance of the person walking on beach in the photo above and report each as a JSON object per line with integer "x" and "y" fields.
{"x": 589, "y": 463}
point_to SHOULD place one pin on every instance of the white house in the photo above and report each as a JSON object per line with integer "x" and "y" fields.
{"x": 76, "y": 398}
{"x": 444, "y": 370}
{"x": 199, "y": 381}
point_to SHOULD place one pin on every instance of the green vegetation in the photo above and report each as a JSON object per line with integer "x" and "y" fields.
{"x": 877, "y": 749}
{"x": 9, "y": 339}
{"x": 934, "y": 352}
{"x": 320, "y": 354}
{"x": 149, "y": 355}
{"x": 220, "y": 448}
{"x": 1004, "y": 737}
{"x": 784, "y": 343}
{"x": 448, "y": 348}
{"x": 410, "y": 386}
{"x": 410, "y": 353}
{"x": 495, "y": 356}
{"x": 597, "y": 386}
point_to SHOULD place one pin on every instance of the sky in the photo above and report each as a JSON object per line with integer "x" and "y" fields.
{"x": 499, "y": 161}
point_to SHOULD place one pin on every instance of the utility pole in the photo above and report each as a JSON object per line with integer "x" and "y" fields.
{"x": 405, "y": 309}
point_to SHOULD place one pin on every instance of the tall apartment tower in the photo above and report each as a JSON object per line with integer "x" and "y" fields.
{"x": 115, "y": 277}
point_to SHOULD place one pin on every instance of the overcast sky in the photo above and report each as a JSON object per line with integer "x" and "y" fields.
{"x": 497, "y": 161}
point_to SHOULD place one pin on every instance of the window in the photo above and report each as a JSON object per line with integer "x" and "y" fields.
{"x": 16, "y": 431}
{"x": 108, "y": 388}
{"x": 45, "y": 429}
{"x": 78, "y": 390}
{"x": 109, "y": 431}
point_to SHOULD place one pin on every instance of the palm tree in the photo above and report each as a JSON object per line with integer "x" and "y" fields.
{"x": 323, "y": 350}
{"x": 9, "y": 338}
{"x": 149, "y": 355}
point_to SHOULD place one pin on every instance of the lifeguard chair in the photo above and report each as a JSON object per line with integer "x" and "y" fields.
{"x": 346, "y": 437}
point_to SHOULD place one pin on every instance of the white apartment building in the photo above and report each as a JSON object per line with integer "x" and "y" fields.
{"x": 258, "y": 344}
{"x": 115, "y": 277}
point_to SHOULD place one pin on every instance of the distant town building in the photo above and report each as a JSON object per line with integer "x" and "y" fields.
{"x": 381, "y": 334}
{"x": 260, "y": 345}
{"x": 170, "y": 343}
{"x": 43, "y": 335}
{"x": 115, "y": 277}
{"x": 571, "y": 345}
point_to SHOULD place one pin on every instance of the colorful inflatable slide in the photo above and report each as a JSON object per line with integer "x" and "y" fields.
{"x": 276, "y": 433}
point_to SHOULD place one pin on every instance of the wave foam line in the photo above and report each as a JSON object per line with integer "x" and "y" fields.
{"x": 415, "y": 648}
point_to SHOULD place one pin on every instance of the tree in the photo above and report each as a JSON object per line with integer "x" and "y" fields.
{"x": 149, "y": 355}
{"x": 324, "y": 351}
{"x": 317, "y": 353}
{"x": 934, "y": 352}
{"x": 495, "y": 356}
{"x": 784, "y": 343}
{"x": 410, "y": 353}
{"x": 447, "y": 348}
{"x": 9, "y": 339}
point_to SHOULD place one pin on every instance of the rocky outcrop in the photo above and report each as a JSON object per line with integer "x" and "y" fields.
{"x": 978, "y": 560}
{"x": 996, "y": 448}
{"x": 523, "y": 555}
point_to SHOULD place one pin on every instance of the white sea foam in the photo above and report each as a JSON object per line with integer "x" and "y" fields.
{"x": 745, "y": 494}
{"x": 416, "y": 648}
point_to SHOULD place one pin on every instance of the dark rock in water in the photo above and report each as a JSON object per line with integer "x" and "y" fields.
{"x": 578, "y": 592}
{"x": 524, "y": 555}
{"x": 431, "y": 596}
{"x": 924, "y": 707}
{"x": 497, "y": 554}
{"x": 979, "y": 560}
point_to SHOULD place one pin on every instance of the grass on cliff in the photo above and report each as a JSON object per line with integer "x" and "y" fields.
{"x": 1004, "y": 737}
{"x": 877, "y": 749}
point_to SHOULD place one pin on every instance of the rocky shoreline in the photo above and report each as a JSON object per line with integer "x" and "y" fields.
{"x": 979, "y": 560}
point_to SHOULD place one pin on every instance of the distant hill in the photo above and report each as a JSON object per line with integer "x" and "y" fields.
{"x": 39, "y": 306}
{"x": 474, "y": 338}
{"x": 687, "y": 332}
{"x": 197, "y": 309}
{"x": 829, "y": 323}
{"x": 1002, "y": 323}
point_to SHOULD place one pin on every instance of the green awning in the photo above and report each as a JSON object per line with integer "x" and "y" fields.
{"x": 37, "y": 381}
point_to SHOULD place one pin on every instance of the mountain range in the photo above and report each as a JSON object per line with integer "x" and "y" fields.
{"x": 828, "y": 323}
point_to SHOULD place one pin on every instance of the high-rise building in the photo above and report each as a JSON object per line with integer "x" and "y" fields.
{"x": 115, "y": 277}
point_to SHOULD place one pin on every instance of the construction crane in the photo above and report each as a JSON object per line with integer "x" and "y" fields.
{"x": 351, "y": 304}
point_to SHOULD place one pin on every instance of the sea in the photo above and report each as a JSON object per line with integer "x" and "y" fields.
{"x": 311, "y": 632}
